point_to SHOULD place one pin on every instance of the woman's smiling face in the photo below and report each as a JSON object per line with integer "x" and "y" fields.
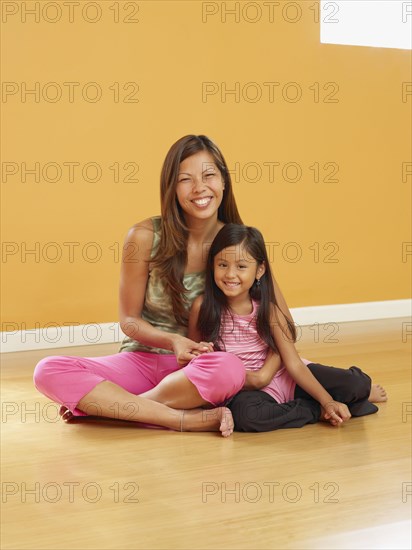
{"x": 200, "y": 185}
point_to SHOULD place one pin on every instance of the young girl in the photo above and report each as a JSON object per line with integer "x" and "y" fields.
{"x": 239, "y": 314}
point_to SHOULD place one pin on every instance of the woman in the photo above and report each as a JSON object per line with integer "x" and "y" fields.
{"x": 163, "y": 265}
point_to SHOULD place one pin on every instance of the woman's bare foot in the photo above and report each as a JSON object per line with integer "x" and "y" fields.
{"x": 227, "y": 424}
{"x": 378, "y": 394}
{"x": 66, "y": 414}
{"x": 219, "y": 419}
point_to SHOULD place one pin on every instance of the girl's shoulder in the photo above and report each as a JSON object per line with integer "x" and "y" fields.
{"x": 256, "y": 306}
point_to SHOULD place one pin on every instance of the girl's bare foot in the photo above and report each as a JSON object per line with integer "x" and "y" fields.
{"x": 378, "y": 394}
{"x": 219, "y": 419}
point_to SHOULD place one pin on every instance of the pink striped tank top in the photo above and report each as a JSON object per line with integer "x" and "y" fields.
{"x": 240, "y": 337}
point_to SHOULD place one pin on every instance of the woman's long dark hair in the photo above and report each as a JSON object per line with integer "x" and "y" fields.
{"x": 171, "y": 256}
{"x": 215, "y": 303}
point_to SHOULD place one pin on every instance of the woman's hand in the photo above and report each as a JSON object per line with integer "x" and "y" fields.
{"x": 335, "y": 413}
{"x": 186, "y": 349}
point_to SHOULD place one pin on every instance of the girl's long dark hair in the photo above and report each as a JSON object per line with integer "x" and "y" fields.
{"x": 214, "y": 302}
{"x": 171, "y": 255}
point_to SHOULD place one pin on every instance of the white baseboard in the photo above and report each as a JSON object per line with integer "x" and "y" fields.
{"x": 110, "y": 333}
{"x": 345, "y": 313}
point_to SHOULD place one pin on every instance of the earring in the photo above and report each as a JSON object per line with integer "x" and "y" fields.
{"x": 258, "y": 283}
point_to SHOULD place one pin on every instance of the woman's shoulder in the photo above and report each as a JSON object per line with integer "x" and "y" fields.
{"x": 152, "y": 223}
{"x": 144, "y": 234}
{"x": 197, "y": 302}
{"x": 144, "y": 229}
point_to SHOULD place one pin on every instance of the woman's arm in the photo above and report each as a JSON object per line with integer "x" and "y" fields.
{"x": 193, "y": 332}
{"x": 133, "y": 280}
{"x": 257, "y": 379}
{"x": 335, "y": 412}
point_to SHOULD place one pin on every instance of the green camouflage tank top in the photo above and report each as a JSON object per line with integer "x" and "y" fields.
{"x": 157, "y": 308}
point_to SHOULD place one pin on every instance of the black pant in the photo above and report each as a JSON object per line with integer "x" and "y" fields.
{"x": 256, "y": 411}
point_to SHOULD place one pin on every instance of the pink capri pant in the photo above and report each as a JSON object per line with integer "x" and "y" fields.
{"x": 218, "y": 376}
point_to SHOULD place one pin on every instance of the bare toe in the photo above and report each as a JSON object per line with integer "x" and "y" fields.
{"x": 66, "y": 414}
{"x": 227, "y": 424}
{"x": 378, "y": 394}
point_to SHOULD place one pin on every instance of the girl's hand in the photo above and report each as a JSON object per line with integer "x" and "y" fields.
{"x": 334, "y": 412}
{"x": 185, "y": 349}
{"x": 208, "y": 345}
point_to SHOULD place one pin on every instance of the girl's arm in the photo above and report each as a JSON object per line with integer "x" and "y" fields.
{"x": 133, "y": 280}
{"x": 335, "y": 412}
{"x": 281, "y": 300}
{"x": 257, "y": 379}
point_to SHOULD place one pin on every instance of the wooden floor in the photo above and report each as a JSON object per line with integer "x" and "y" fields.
{"x": 98, "y": 486}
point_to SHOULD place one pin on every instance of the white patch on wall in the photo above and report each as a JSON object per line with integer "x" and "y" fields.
{"x": 380, "y": 23}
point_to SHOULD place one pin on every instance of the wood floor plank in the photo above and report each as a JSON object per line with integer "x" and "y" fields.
{"x": 106, "y": 486}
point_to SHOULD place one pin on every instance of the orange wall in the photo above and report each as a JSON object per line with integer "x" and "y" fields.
{"x": 361, "y": 221}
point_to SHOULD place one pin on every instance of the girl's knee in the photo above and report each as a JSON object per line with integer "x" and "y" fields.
{"x": 363, "y": 382}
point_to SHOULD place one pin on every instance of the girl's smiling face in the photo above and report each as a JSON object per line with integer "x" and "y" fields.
{"x": 235, "y": 271}
{"x": 200, "y": 186}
